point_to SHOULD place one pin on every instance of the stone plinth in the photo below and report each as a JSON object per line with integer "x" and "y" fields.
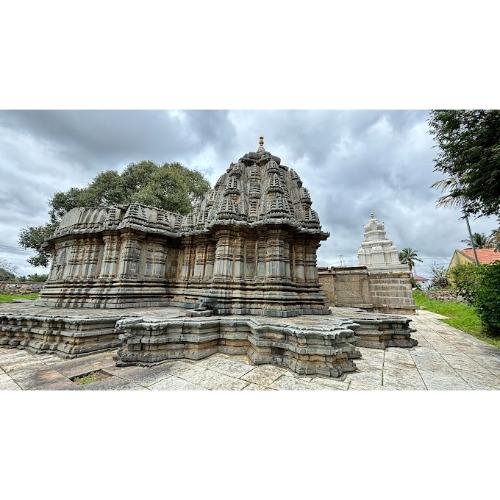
{"x": 309, "y": 345}
{"x": 379, "y": 331}
{"x": 326, "y": 350}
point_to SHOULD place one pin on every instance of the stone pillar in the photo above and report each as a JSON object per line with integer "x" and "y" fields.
{"x": 298, "y": 262}
{"x": 130, "y": 256}
{"x": 209, "y": 262}
{"x": 187, "y": 258}
{"x": 261, "y": 257}
{"x": 250, "y": 256}
{"x": 154, "y": 260}
{"x": 200, "y": 251}
{"x": 91, "y": 258}
{"x": 311, "y": 271}
{"x": 111, "y": 255}
{"x": 223, "y": 255}
{"x": 238, "y": 258}
{"x": 275, "y": 259}
{"x": 70, "y": 270}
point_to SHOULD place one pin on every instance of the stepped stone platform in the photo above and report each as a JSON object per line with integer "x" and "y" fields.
{"x": 308, "y": 345}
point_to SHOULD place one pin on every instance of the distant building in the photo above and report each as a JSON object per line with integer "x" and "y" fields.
{"x": 466, "y": 256}
{"x": 420, "y": 279}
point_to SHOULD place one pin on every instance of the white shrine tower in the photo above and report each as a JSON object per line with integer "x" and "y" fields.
{"x": 377, "y": 252}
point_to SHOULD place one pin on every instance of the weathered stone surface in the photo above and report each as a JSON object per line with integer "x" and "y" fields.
{"x": 249, "y": 247}
{"x": 67, "y": 336}
{"x": 321, "y": 349}
{"x": 382, "y": 291}
{"x": 379, "y": 331}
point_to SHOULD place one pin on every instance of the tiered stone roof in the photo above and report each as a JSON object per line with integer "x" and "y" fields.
{"x": 256, "y": 190}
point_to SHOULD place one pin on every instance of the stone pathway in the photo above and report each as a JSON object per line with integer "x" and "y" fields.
{"x": 445, "y": 359}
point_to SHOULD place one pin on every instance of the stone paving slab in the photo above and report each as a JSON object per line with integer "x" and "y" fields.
{"x": 445, "y": 359}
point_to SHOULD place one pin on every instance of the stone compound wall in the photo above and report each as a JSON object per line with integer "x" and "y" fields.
{"x": 10, "y": 287}
{"x": 386, "y": 292}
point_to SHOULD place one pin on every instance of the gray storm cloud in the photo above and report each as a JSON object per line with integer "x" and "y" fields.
{"x": 353, "y": 162}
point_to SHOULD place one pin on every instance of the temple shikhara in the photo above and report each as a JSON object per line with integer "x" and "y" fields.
{"x": 220, "y": 279}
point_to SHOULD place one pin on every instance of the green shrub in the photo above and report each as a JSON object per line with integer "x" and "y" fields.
{"x": 465, "y": 279}
{"x": 480, "y": 287}
{"x": 487, "y": 297}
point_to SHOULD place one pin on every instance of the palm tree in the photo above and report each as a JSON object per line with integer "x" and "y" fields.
{"x": 480, "y": 240}
{"x": 494, "y": 240}
{"x": 447, "y": 200}
{"x": 409, "y": 256}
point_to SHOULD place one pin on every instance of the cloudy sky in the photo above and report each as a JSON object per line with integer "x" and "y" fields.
{"x": 353, "y": 163}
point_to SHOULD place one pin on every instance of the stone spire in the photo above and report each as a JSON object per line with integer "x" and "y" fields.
{"x": 261, "y": 149}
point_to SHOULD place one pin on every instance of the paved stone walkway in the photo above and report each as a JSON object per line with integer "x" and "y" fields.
{"x": 445, "y": 359}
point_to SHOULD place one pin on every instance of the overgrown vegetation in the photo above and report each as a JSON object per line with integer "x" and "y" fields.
{"x": 459, "y": 315}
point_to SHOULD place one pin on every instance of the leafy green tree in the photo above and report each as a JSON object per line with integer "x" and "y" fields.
{"x": 469, "y": 143}
{"x": 410, "y": 257}
{"x": 32, "y": 237}
{"x": 170, "y": 186}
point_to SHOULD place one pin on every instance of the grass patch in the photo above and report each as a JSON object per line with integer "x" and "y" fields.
{"x": 9, "y": 297}
{"x": 461, "y": 316}
{"x": 90, "y": 378}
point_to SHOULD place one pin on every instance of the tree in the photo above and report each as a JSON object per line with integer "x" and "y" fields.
{"x": 469, "y": 143}
{"x": 439, "y": 277}
{"x": 409, "y": 256}
{"x": 480, "y": 240}
{"x": 7, "y": 270}
{"x": 170, "y": 186}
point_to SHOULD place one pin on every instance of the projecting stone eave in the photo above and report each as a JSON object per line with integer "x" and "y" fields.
{"x": 242, "y": 225}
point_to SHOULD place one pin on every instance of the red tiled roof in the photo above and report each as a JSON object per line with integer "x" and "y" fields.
{"x": 420, "y": 278}
{"x": 484, "y": 255}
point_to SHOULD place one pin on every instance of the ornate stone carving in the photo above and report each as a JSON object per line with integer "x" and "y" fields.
{"x": 250, "y": 243}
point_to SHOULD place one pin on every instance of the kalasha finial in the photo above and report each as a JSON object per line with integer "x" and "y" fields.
{"x": 261, "y": 149}
{"x": 372, "y": 215}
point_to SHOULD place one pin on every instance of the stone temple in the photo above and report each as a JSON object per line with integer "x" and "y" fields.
{"x": 379, "y": 283}
{"x": 238, "y": 275}
{"x": 249, "y": 247}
